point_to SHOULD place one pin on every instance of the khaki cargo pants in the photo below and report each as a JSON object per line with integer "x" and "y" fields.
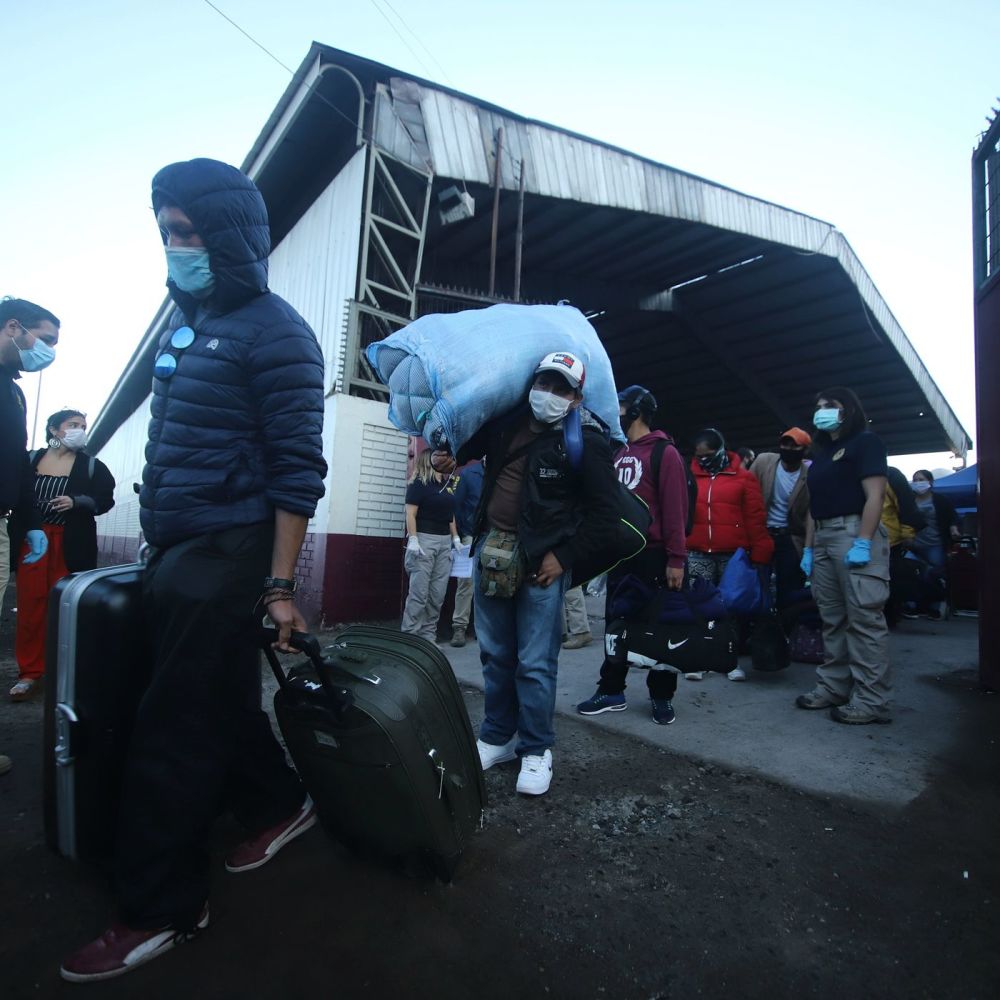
{"x": 851, "y": 602}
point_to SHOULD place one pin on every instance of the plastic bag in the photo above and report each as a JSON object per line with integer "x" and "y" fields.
{"x": 741, "y": 586}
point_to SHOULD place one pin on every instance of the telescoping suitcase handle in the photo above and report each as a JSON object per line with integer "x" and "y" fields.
{"x": 308, "y": 644}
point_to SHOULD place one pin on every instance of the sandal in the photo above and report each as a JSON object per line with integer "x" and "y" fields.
{"x": 22, "y": 690}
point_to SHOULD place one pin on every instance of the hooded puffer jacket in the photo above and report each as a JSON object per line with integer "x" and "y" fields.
{"x": 237, "y": 430}
{"x": 729, "y": 514}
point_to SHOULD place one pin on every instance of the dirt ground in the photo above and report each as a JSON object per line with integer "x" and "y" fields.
{"x": 642, "y": 874}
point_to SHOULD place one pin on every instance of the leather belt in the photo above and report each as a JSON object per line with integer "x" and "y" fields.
{"x": 838, "y": 522}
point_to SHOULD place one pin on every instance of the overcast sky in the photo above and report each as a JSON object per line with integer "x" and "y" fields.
{"x": 863, "y": 114}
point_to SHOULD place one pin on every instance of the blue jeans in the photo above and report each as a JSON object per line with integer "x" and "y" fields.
{"x": 519, "y": 642}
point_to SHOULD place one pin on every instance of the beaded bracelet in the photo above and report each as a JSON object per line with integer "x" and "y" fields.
{"x": 274, "y": 595}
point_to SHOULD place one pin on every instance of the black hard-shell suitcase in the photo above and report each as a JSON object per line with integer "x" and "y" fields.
{"x": 96, "y": 670}
{"x": 379, "y": 733}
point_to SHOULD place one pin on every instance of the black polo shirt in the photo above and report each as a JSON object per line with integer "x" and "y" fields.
{"x": 837, "y": 470}
{"x": 435, "y": 503}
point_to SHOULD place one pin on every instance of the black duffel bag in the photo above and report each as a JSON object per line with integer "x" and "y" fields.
{"x": 684, "y": 647}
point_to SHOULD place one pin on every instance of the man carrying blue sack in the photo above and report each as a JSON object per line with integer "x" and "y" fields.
{"x": 539, "y": 514}
{"x": 234, "y": 469}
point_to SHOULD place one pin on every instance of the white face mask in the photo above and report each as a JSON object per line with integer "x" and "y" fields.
{"x": 547, "y": 407}
{"x": 75, "y": 439}
{"x": 920, "y": 487}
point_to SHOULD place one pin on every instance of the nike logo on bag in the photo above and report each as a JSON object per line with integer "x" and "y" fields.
{"x": 675, "y": 645}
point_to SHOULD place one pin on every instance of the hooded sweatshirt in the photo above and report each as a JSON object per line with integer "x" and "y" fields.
{"x": 236, "y": 432}
{"x": 667, "y": 499}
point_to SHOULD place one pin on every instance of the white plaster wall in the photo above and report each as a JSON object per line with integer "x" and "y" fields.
{"x": 315, "y": 267}
{"x": 124, "y": 456}
{"x": 367, "y": 480}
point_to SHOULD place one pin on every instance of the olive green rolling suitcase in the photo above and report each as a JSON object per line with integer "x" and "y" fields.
{"x": 377, "y": 728}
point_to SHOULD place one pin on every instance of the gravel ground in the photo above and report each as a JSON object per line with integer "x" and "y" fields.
{"x": 642, "y": 874}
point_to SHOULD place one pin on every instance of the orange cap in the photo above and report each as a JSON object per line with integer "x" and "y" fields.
{"x": 799, "y": 436}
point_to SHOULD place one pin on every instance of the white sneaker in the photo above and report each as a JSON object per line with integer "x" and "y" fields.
{"x": 536, "y": 774}
{"x": 490, "y": 754}
{"x": 737, "y": 674}
{"x": 695, "y": 675}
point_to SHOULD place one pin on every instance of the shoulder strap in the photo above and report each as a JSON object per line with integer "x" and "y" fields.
{"x": 658, "y": 449}
{"x": 573, "y": 438}
{"x": 91, "y": 465}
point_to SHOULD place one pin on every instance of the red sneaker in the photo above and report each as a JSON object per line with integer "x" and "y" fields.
{"x": 260, "y": 849}
{"x": 121, "y": 949}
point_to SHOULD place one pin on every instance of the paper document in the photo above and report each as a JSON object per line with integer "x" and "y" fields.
{"x": 461, "y": 563}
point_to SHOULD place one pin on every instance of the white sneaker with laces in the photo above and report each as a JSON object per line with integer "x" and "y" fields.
{"x": 536, "y": 774}
{"x": 737, "y": 674}
{"x": 490, "y": 754}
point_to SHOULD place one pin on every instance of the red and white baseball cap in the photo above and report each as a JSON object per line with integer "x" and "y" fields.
{"x": 568, "y": 365}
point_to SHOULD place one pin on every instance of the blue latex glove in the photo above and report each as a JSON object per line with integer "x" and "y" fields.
{"x": 860, "y": 553}
{"x": 806, "y": 563}
{"x": 39, "y": 546}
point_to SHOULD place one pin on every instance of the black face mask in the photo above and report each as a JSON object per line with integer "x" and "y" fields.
{"x": 715, "y": 463}
{"x": 792, "y": 457}
{"x": 625, "y": 425}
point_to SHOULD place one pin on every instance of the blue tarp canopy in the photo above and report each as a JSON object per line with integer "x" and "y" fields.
{"x": 960, "y": 488}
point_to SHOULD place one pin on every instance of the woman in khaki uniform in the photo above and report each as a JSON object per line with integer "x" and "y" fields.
{"x": 847, "y": 558}
{"x": 431, "y": 534}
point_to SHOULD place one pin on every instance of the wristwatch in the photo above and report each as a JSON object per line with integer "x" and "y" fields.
{"x": 278, "y": 583}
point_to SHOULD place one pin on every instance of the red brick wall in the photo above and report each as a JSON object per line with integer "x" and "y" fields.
{"x": 362, "y": 578}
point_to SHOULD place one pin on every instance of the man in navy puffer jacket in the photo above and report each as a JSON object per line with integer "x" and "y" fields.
{"x": 234, "y": 469}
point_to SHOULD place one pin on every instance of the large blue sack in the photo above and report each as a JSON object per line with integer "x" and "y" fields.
{"x": 450, "y": 373}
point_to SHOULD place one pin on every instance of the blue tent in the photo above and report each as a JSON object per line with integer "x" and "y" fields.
{"x": 960, "y": 488}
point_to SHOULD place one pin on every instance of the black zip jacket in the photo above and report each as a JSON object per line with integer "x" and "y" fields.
{"x": 17, "y": 491}
{"x": 92, "y": 495}
{"x": 564, "y": 510}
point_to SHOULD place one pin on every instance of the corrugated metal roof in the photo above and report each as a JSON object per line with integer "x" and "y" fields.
{"x": 740, "y": 346}
{"x": 603, "y": 212}
{"x": 460, "y": 141}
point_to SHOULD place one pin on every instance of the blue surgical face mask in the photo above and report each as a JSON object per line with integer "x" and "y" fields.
{"x": 190, "y": 270}
{"x": 827, "y": 419}
{"x": 40, "y": 355}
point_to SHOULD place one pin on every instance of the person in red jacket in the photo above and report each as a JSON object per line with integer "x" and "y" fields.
{"x": 653, "y": 469}
{"x": 729, "y": 515}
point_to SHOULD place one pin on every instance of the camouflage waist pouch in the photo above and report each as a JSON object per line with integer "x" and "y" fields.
{"x": 502, "y": 564}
